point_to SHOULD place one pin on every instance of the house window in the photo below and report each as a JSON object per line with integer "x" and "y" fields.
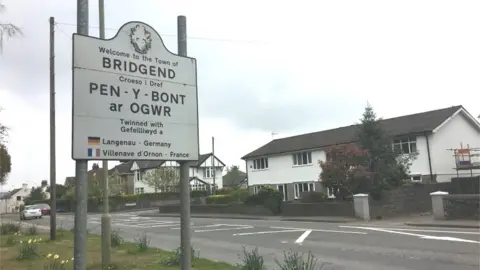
{"x": 303, "y": 187}
{"x": 139, "y": 190}
{"x": 208, "y": 172}
{"x": 198, "y": 187}
{"x": 416, "y": 178}
{"x": 137, "y": 176}
{"x": 330, "y": 192}
{"x": 260, "y": 164}
{"x": 257, "y": 189}
{"x": 302, "y": 158}
{"x": 406, "y": 145}
{"x": 19, "y": 198}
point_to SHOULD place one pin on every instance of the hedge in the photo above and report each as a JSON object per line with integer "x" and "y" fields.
{"x": 220, "y": 199}
{"x": 68, "y": 205}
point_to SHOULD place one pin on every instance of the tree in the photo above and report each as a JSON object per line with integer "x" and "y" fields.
{"x": 162, "y": 178}
{"x": 345, "y": 171}
{"x": 61, "y": 190}
{"x": 5, "y": 158}
{"x": 36, "y": 194}
{"x": 388, "y": 166}
{"x": 5, "y": 164}
{"x": 95, "y": 182}
{"x": 7, "y": 30}
{"x": 233, "y": 176}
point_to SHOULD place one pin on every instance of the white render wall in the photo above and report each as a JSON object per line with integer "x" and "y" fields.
{"x": 456, "y": 131}
{"x": 282, "y": 171}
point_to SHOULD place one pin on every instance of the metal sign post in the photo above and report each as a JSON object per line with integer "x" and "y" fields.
{"x": 133, "y": 99}
{"x": 81, "y": 167}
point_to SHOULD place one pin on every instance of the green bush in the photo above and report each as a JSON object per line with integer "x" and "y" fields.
{"x": 9, "y": 228}
{"x": 269, "y": 198}
{"x": 251, "y": 260}
{"x": 176, "y": 259}
{"x": 93, "y": 202}
{"x": 313, "y": 197}
{"x": 220, "y": 199}
{"x": 241, "y": 194}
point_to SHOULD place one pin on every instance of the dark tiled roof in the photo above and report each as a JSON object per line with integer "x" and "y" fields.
{"x": 149, "y": 164}
{"x": 10, "y": 193}
{"x": 230, "y": 181}
{"x": 69, "y": 181}
{"x": 403, "y": 125}
{"x": 123, "y": 167}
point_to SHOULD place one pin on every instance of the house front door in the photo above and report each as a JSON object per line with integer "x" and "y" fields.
{"x": 283, "y": 189}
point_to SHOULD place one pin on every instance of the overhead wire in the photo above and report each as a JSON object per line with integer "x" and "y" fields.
{"x": 173, "y": 35}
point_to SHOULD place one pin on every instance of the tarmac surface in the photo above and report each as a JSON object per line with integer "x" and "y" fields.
{"x": 353, "y": 245}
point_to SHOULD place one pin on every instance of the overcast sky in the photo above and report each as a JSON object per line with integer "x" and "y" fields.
{"x": 264, "y": 66}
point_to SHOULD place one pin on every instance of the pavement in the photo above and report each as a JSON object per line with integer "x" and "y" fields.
{"x": 358, "y": 245}
{"x": 252, "y": 217}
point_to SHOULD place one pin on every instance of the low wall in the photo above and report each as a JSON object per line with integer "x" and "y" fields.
{"x": 239, "y": 209}
{"x": 465, "y": 185}
{"x": 462, "y": 206}
{"x": 406, "y": 200}
{"x": 289, "y": 209}
{"x": 339, "y": 209}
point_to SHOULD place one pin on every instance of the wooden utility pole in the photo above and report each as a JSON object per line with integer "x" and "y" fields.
{"x": 53, "y": 180}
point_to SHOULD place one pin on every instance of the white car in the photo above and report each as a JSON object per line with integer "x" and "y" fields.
{"x": 31, "y": 211}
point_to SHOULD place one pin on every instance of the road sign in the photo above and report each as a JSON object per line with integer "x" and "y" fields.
{"x": 133, "y": 99}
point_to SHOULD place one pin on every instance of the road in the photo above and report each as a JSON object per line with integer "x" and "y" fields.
{"x": 357, "y": 246}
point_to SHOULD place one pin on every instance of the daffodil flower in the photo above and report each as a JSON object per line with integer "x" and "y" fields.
{"x": 21, "y": 241}
{"x": 34, "y": 240}
{"x": 29, "y": 241}
{"x": 63, "y": 262}
{"x": 72, "y": 258}
{"x": 56, "y": 256}
{"x": 49, "y": 255}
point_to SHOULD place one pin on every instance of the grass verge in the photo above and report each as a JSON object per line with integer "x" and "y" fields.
{"x": 126, "y": 256}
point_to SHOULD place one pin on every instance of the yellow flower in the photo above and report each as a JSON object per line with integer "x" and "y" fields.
{"x": 66, "y": 261}
{"x": 21, "y": 241}
{"x": 34, "y": 240}
{"x": 56, "y": 256}
{"x": 72, "y": 258}
{"x": 49, "y": 255}
{"x": 29, "y": 241}
{"x": 40, "y": 239}
{"x": 63, "y": 262}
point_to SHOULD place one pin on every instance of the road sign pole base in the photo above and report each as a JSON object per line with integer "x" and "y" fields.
{"x": 106, "y": 240}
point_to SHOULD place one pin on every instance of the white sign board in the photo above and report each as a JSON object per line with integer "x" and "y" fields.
{"x": 133, "y": 99}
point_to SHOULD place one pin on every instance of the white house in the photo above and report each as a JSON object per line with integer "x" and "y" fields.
{"x": 11, "y": 201}
{"x": 201, "y": 175}
{"x": 291, "y": 164}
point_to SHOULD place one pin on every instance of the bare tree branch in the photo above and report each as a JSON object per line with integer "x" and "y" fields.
{"x": 8, "y": 30}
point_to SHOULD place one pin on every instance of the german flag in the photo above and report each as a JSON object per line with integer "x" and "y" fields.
{"x": 93, "y": 140}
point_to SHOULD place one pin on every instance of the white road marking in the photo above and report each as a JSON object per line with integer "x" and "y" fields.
{"x": 225, "y": 229}
{"x": 197, "y": 227}
{"x": 447, "y": 238}
{"x": 266, "y": 232}
{"x": 422, "y": 236}
{"x": 235, "y": 225}
{"x": 427, "y": 231}
{"x": 163, "y": 225}
{"x": 302, "y": 237}
{"x": 318, "y": 230}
